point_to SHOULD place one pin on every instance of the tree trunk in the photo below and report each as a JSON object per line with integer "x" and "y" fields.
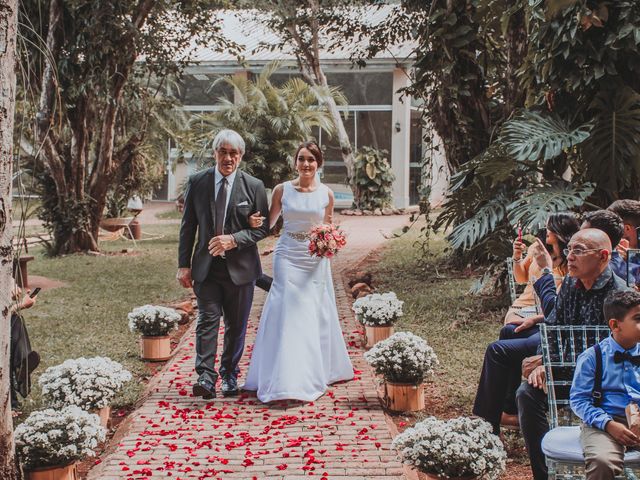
{"x": 517, "y": 44}
{"x": 8, "y": 34}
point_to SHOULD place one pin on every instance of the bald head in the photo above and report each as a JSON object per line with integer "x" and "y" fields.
{"x": 589, "y": 254}
{"x": 592, "y": 238}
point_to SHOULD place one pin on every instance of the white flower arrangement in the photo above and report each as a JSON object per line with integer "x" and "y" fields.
{"x": 378, "y": 309}
{"x": 402, "y": 358}
{"x": 153, "y": 320}
{"x": 57, "y": 437}
{"x": 89, "y": 383}
{"x": 460, "y": 447}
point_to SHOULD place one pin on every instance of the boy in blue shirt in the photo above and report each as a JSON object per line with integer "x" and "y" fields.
{"x": 605, "y": 433}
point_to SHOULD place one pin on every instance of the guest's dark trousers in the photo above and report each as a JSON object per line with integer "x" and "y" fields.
{"x": 218, "y": 296}
{"x": 532, "y": 413}
{"x": 501, "y": 373}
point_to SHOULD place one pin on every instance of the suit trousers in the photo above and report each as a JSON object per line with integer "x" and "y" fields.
{"x": 218, "y": 296}
{"x": 532, "y": 413}
{"x": 501, "y": 373}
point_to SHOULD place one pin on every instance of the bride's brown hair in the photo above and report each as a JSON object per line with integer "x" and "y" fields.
{"x": 314, "y": 149}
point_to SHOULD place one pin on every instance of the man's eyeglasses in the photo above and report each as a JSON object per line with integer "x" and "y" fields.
{"x": 579, "y": 252}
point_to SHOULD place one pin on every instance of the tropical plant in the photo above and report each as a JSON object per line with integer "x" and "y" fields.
{"x": 372, "y": 179}
{"x": 273, "y": 121}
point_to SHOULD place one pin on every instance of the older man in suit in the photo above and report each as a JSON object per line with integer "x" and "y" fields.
{"x": 225, "y": 264}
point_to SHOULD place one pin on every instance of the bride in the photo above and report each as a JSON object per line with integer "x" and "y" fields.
{"x": 299, "y": 348}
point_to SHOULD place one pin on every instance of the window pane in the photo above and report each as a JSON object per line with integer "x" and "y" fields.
{"x": 331, "y": 146}
{"x": 416, "y": 151}
{"x": 374, "y": 130}
{"x": 364, "y": 88}
{"x": 199, "y": 89}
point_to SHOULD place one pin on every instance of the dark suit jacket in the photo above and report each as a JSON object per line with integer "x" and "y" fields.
{"x": 243, "y": 262}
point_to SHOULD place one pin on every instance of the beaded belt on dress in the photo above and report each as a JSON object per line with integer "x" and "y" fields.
{"x": 300, "y": 236}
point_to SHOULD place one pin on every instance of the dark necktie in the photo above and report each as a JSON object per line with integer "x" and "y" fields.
{"x": 619, "y": 357}
{"x": 221, "y": 202}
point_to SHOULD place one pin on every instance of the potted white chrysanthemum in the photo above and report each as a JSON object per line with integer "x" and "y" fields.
{"x": 460, "y": 448}
{"x": 405, "y": 361}
{"x": 378, "y": 312}
{"x": 89, "y": 383}
{"x": 50, "y": 442}
{"x": 154, "y": 324}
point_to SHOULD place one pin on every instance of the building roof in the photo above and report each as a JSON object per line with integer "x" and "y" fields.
{"x": 247, "y": 29}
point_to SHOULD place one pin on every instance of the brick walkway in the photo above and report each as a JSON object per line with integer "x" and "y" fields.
{"x": 342, "y": 435}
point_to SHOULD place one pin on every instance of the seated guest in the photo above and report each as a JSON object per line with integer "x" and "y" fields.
{"x": 629, "y": 212}
{"x": 579, "y": 302}
{"x": 612, "y": 224}
{"x": 501, "y": 371}
{"x": 559, "y": 229}
{"x": 605, "y": 434}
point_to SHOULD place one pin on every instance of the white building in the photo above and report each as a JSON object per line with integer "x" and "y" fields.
{"x": 377, "y": 115}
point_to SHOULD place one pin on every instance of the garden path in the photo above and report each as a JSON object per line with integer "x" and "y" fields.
{"x": 342, "y": 435}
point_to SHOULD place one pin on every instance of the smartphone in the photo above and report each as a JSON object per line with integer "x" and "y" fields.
{"x": 35, "y": 292}
{"x": 519, "y": 232}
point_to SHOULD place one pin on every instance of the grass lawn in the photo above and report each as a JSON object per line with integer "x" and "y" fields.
{"x": 170, "y": 215}
{"x": 439, "y": 308}
{"x": 88, "y": 316}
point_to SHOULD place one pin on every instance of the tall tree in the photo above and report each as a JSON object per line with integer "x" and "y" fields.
{"x": 302, "y": 28}
{"x": 8, "y": 34}
{"x": 95, "y": 55}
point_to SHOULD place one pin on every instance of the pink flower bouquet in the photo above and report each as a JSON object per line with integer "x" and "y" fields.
{"x": 325, "y": 240}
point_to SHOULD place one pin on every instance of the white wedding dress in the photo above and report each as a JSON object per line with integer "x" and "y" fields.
{"x": 299, "y": 348}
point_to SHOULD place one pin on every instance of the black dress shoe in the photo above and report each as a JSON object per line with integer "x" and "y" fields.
{"x": 229, "y": 386}
{"x": 204, "y": 389}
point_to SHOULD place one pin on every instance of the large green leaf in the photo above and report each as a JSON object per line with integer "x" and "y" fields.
{"x": 534, "y": 136}
{"x": 533, "y": 207}
{"x": 484, "y": 221}
{"x": 613, "y": 150}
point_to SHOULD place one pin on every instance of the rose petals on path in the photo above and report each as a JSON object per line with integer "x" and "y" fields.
{"x": 175, "y": 435}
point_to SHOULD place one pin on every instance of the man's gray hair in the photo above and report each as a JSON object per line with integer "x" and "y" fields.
{"x": 231, "y": 138}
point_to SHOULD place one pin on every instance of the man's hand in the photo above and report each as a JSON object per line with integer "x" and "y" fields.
{"x": 540, "y": 255}
{"x": 220, "y": 244}
{"x": 529, "y": 364}
{"x": 184, "y": 277}
{"x": 622, "y": 248}
{"x": 537, "y": 378}
{"x": 622, "y": 434}
{"x": 528, "y": 322}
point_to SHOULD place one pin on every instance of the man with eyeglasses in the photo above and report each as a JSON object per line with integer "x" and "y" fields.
{"x": 578, "y": 302}
{"x": 225, "y": 264}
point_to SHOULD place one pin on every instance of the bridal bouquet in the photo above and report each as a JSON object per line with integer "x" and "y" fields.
{"x": 325, "y": 240}
{"x": 57, "y": 437}
{"x": 89, "y": 383}
{"x": 378, "y": 309}
{"x": 460, "y": 447}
